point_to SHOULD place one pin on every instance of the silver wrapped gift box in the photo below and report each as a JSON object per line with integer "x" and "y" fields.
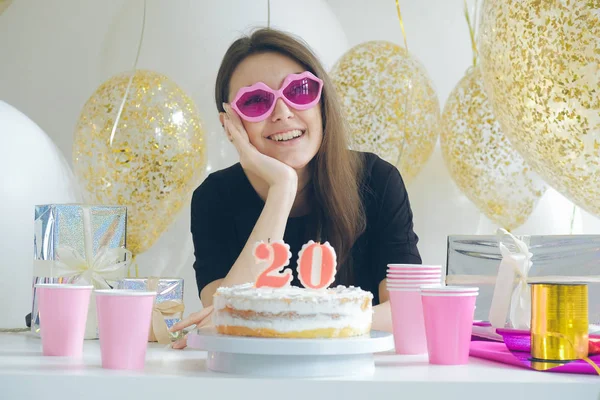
{"x": 474, "y": 260}
{"x": 168, "y": 306}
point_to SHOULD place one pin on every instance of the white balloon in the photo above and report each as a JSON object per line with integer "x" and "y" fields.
{"x": 33, "y": 172}
{"x": 439, "y": 209}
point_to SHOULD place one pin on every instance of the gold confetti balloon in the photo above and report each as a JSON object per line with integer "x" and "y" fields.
{"x": 541, "y": 67}
{"x": 156, "y": 158}
{"x": 390, "y": 103}
{"x": 482, "y": 161}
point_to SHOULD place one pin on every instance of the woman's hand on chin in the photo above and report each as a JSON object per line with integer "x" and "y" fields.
{"x": 272, "y": 171}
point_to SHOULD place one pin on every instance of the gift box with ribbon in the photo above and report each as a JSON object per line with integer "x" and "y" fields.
{"x": 168, "y": 305}
{"x": 79, "y": 244}
{"x": 504, "y": 265}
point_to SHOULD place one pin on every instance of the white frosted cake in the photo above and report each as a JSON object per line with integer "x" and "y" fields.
{"x": 292, "y": 312}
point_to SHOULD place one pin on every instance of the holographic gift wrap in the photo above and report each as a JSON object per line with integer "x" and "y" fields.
{"x": 63, "y": 226}
{"x": 168, "y": 307}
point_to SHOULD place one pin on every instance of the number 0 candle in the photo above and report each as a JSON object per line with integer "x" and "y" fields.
{"x": 316, "y": 265}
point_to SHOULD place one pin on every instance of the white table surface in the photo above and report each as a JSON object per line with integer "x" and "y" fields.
{"x": 177, "y": 374}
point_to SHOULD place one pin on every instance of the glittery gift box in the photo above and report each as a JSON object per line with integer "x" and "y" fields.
{"x": 474, "y": 260}
{"x": 168, "y": 306}
{"x": 78, "y": 229}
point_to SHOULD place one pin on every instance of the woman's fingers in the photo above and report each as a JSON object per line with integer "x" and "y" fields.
{"x": 201, "y": 319}
{"x": 205, "y": 322}
{"x": 234, "y": 118}
{"x": 240, "y": 141}
{"x": 192, "y": 319}
{"x": 180, "y": 344}
{"x": 224, "y": 116}
{"x": 232, "y": 135}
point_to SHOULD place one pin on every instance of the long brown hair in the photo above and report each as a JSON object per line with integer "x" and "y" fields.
{"x": 336, "y": 171}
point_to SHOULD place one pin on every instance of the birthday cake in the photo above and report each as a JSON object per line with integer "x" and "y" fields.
{"x": 292, "y": 312}
{"x": 270, "y": 307}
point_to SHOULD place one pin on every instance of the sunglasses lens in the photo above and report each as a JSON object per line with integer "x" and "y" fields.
{"x": 255, "y": 103}
{"x": 302, "y": 91}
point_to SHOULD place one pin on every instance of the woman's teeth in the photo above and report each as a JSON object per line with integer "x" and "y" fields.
{"x": 279, "y": 137}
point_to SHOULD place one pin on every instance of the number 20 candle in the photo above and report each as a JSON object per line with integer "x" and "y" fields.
{"x": 316, "y": 264}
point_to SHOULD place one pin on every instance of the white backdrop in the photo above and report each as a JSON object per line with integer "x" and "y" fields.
{"x": 55, "y": 53}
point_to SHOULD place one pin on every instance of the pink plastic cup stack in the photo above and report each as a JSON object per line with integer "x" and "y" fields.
{"x": 403, "y": 283}
{"x": 448, "y": 313}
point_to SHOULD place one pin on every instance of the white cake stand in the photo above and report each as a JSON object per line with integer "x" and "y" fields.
{"x": 290, "y": 357}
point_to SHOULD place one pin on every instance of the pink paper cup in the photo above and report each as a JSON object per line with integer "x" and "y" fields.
{"x": 406, "y": 286}
{"x": 416, "y": 284}
{"x": 124, "y": 318}
{"x": 421, "y": 278}
{"x": 448, "y": 324}
{"x": 407, "y": 321}
{"x": 63, "y": 314}
{"x": 413, "y": 267}
{"x": 415, "y": 279}
{"x": 448, "y": 289}
{"x": 412, "y": 273}
{"x": 403, "y": 289}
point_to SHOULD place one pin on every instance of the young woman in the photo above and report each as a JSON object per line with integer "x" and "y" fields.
{"x": 296, "y": 180}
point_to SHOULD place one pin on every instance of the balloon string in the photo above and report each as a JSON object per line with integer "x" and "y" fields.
{"x": 269, "y": 14}
{"x": 134, "y": 68}
{"x": 573, "y": 219}
{"x": 570, "y": 342}
{"x": 475, "y": 20}
{"x": 408, "y": 98}
{"x": 472, "y": 31}
{"x": 135, "y": 268}
{"x": 401, "y": 24}
{"x": 592, "y": 364}
{"x": 14, "y": 330}
{"x": 379, "y": 101}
